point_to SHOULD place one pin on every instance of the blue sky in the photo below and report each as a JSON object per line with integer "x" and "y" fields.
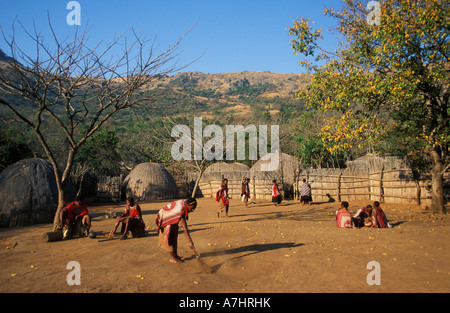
{"x": 230, "y": 36}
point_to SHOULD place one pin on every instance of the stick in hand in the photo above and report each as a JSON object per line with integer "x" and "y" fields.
{"x": 195, "y": 252}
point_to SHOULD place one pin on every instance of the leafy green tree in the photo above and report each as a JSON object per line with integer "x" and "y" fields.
{"x": 13, "y": 148}
{"x": 391, "y": 77}
{"x": 309, "y": 144}
{"x": 145, "y": 141}
{"x": 100, "y": 153}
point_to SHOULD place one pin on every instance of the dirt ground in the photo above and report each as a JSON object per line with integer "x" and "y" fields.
{"x": 260, "y": 249}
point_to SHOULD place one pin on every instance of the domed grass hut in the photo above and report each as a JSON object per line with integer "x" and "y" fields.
{"x": 213, "y": 175}
{"x": 150, "y": 181}
{"x": 227, "y": 167}
{"x": 286, "y": 175}
{"x": 29, "y": 194}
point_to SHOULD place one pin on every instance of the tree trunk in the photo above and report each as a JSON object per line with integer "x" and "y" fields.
{"x": 200, "y": 173}
{"x": 61, "y": 203}
{"x": 61, "y": 183}
{"x": 437, "y": 184}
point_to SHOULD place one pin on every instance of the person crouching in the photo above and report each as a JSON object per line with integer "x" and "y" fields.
{"x": 167, "y": 222}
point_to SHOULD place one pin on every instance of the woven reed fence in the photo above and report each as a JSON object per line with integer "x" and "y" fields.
{"x": 109, "y": 189}
{"x": 371, "y": 178}
{"x": 260, "y": 183}
{"x": 387, "y": 180}
{"x": 211, "y": 181}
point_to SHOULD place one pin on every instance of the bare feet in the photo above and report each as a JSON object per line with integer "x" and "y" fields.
{"x": 176, "y": 259}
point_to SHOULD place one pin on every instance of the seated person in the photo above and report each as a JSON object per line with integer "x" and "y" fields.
{"x": 363, "y": 217}
{"x": 131, "y": 220}
{"x": 343, "y": 217}
{"x": 380, "y": 220}
{"x": 75, "y": 216}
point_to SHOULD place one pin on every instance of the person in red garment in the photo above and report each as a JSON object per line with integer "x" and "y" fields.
{"x": 167, "y": 222}
{"x": 363, "y": 218}
{"x": 245, "y": 193}
{"x": 223, "y": 198}
{"x": 343, "y": 217}
{"x": 276, "y": 195}
{"x": 381, "y": 220}
{"x": 131, "y": 220}
{"x": 75, "y": 215}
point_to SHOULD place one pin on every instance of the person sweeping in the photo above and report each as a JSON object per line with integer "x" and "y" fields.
{"x": 167, "y": 222}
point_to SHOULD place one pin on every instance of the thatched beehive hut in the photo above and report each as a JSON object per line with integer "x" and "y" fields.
{"x": 227, "y": 167}
{"x": 287, "y": 169}
{"x": 213, "y": 175}
{"x": 150, "y": 181}
{"x": 286, "y": 176}
{"x": 260, "y": 181}
{"x": 28, "y": 193}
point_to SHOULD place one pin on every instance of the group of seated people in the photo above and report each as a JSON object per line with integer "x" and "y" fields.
{"x": 75, "y": 220}
{"x": 365, "y": 217}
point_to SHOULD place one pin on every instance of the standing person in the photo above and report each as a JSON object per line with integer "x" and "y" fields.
{"x": 76, "y": 216}
{"x": 167, "y": 222}
{"x": 222, "y": 198}
{"x": 276, "y": 195}
{"x": 305, "y": 193}
{"x": 246, "y": 191}
{"x": 343, "y": 217}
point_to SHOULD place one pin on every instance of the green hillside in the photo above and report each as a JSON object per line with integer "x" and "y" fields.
{"x": 143, "y": 133}
{"x": 248, "y": 94}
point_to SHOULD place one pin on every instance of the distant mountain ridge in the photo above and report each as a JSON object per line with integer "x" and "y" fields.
{"x": 283, "y": 84}
{"x": 239, "y": 93}
{"x": 4, "y": 57}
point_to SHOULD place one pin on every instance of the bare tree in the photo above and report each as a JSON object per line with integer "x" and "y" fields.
{"x": 76, "y": 89}
{"x": 203, "y": 144}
